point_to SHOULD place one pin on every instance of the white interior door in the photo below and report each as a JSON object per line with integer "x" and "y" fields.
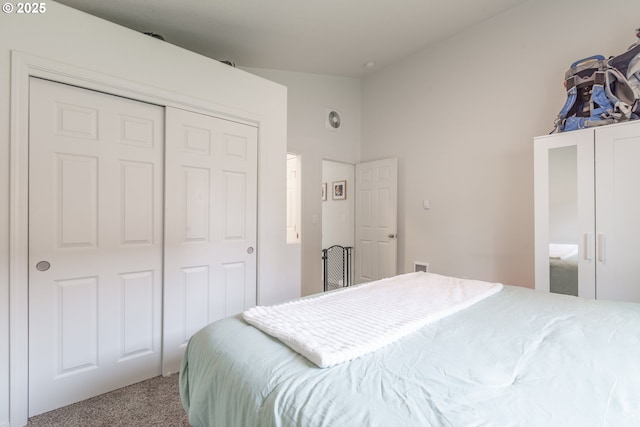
{"x": 210, "y": 225}
{"x": 617, "y": 212}
{"x": 95, "y": 243}
{"x": 376, "y": 220}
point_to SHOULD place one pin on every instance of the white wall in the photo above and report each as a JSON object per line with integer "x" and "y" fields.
{"x": 461, "y": 116}
{"x": 309, "y": 95}
{"x": 79, "y": 40}
{"x": 338, "y": 216}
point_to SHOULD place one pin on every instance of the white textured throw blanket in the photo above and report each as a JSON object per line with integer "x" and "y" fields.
{"x": 338, "y": 326}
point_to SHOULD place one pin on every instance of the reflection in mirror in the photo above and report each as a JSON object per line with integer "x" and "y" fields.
{"x": 563, "y": 220}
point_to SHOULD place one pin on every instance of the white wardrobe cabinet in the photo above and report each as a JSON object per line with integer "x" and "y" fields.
{"x": 587, "y": 212}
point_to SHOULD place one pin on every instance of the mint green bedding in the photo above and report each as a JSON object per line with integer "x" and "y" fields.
{"x": 518, "y": 358}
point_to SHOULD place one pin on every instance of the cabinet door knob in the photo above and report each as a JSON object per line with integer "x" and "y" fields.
{"x": 250, "y": 250}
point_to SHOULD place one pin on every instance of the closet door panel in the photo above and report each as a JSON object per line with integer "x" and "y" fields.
{"x": 618, "y": 212}
{"x": 210, "y": 227}
{"x": 95, "y": 243}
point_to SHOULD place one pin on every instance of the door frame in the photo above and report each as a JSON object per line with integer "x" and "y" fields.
{"x": 24, "y": 66}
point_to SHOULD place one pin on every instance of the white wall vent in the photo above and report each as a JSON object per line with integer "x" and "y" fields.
{"x": 332, "y": 119}
{"x": 421, "y": 266}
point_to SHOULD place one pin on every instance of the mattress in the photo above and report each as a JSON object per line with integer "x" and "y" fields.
{"x": 518, "y": 358}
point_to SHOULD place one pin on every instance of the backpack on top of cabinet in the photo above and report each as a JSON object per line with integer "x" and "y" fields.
{"x": 601, "y": 91}
{"x": 587, "y": 104}
{"x": 624, "y": 77}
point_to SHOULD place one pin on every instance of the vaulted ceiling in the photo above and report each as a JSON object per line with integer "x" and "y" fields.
{"x": 335, "y": 37}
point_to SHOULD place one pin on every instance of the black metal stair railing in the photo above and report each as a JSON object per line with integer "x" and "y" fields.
{"x": 336, "y": 267}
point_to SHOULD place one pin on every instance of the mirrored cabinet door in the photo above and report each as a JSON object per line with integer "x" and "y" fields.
{"x": 564, "y": 213}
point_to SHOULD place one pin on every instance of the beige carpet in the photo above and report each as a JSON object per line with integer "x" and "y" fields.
{"x": 155, "y": 402}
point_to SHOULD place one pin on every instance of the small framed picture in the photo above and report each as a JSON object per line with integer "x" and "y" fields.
{"x": 324, "y": 191}
{"x": 339, "y": 190}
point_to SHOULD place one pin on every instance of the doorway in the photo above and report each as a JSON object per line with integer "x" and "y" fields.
{"x": 359, "y": 211}
{"x": 292, "y": 281}
{"x": 338, "y": 204}
{"x": 294, "y": 197}
{"x": 338, "y": 223}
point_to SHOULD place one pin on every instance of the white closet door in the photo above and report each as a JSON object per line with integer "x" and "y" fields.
{"x": 95, "y": 243}
{"x": 210, "y": 225}
{"x": 618, "y": 212}
{"x": 376, "y": 220}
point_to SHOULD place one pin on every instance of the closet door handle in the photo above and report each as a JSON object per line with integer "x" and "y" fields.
{"x": 43, "y": 266}
{"x": 602, "y": 243}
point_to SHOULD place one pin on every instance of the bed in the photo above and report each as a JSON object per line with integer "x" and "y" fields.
{"x": 518, "y": 357}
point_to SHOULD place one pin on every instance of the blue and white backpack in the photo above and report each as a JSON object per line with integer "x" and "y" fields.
{"x": 601, "y": 91}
